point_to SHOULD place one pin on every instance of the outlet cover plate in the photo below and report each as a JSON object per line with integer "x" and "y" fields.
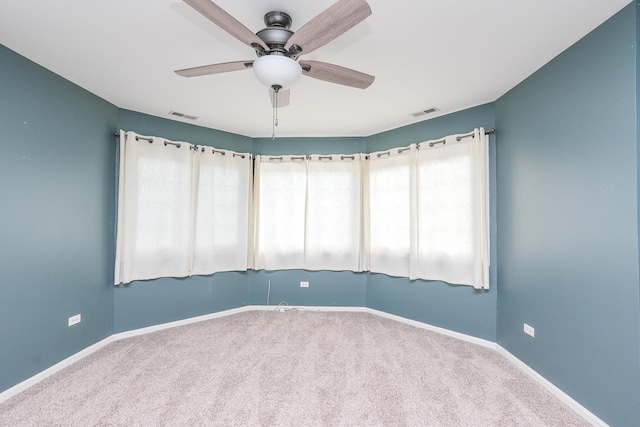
{"x": 74, "y": 320}
{"x": 304, "y": 284}
{"x": 529, "y": 330}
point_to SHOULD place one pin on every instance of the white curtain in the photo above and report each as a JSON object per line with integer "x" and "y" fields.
{"x": 280, "y": 195}
{"x": 453, "y": 210}
{"x": 390, "y": 211}
{"x": 333, "y": 227}
{"x": 428, "y": 210}
{"x": 169, "y": 220}
{"x": 154, "y": 206}
{"x": 308, "y": 212}
{"x": 221, "y": 206}
{"x": 420, "y": 211}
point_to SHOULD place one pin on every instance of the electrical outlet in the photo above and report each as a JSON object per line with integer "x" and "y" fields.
{"x": 304, "y": 284}
{"x": 74, "y": 320}
{"x": 529, "y": 330}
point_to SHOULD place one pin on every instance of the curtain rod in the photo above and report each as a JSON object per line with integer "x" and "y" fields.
{"x": 486, "y": 132}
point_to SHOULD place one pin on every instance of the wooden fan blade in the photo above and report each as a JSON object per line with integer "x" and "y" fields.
{"x": 222, "y": 19}
{"x": 336, "y": 74}
{"x": 329, "y": 24}
{"x": 224, "y": 67}
{"x": 284, "y": 96}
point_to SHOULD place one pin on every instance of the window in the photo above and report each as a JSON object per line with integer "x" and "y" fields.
{"x": 389, "y": 212}
{"x": 308, "y": 212}
{"x": 222, "y": 201}
{"x": 452, "y": 215}
{"x": 428, "y": 212}
{"x": 333, "y": 222}
{"x": 182, "y": 209}
{"x": 280, "y": 191}
{"x": 419, "y": 212}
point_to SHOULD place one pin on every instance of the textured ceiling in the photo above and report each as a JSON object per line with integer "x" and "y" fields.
{"x": 451, "y": 54}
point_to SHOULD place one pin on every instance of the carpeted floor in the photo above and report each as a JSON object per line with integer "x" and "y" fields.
{"x": 290, "y": 369}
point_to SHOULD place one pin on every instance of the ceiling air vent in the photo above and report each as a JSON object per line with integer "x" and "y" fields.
{"x": 182, "y": 115}
{"x": 425, "y": 112}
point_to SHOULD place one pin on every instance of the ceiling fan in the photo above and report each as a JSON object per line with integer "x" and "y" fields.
{"x": 278, "y": 48}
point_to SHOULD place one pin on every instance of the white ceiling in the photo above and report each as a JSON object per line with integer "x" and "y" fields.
{"x": 451, "y": 54}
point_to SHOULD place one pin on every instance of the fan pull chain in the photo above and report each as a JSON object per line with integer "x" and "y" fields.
{"x": 273, "y": 125}
{"x": 275, "y": 118}
{"x": 276, "y": 89}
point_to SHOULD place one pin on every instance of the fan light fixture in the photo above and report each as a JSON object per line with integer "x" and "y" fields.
{"x": 278, "y": 48}
{"x": 277, "y": 70}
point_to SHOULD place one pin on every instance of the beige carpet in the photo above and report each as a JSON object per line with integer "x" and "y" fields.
{"x": 290, "y": 369}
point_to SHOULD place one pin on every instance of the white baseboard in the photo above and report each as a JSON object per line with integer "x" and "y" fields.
{"x": 458, "y": 335}
{"x": 161, "y": 326}
{"x": 20, "y": 387}
{"x": 307, "y": 308}
{"x": 9, "y": 393}
{"x": 581, "y": 410}
{"x": 561, "y": 395}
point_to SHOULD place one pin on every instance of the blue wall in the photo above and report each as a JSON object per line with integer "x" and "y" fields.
{"x": 152, "y": 302}
{"x": 458, "y": 308}
{"x": 57, "y": 186}
{"x": 326, "y": 288}
{"x": 305, "y": 146}
{"x": 568, "y": 221}
{"x": 146, "y": 303}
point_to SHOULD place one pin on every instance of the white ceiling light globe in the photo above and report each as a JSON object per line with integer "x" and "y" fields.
{"x": 277, "y": 70}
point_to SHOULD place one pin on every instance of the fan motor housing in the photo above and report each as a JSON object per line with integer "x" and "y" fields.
{"x": 277, "y": 32}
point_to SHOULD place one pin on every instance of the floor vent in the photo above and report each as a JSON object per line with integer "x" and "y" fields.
{"x": 182, "y": 115}
{"x": 425, "y": 112}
